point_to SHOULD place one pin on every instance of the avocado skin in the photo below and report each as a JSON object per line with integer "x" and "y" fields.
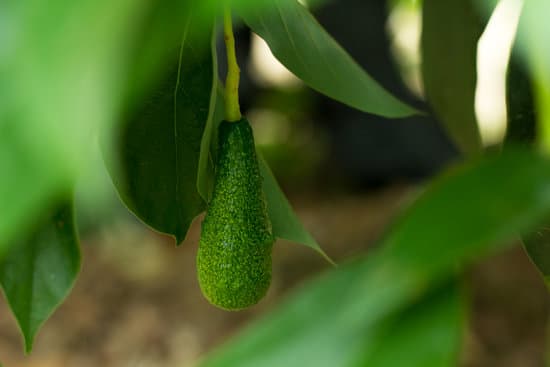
{"x": 234, "y": 256}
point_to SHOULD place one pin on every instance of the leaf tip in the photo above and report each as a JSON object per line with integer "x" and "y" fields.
{"x": 179, "y": 238}
{"x": 330, "y": 261}
{"x": 28, "y": 337}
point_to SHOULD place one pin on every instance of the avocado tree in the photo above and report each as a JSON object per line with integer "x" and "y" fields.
{"x": 142, "y": 77}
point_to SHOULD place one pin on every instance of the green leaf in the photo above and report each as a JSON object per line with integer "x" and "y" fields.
{"x": 53, "y": 92}
{"x": 537, "y": 245}
{"x": 534, "y": 38}
{"x": 466, "y": 213}
{"x": 209, "y": 143}
{"x": 64, "y": 72}
{"x": 159, "y": 146}
{"x": 205, "y": 179}
{"x": 31, "y": 175}
{"x": 484, "y": 202}
{"x": 38, "y": 272}
{"x": 306, "y": 49}
{"x": 426, "y": 334}
{"x": 450, "y": 32}
{"x": 285, "y": 223}
{"x": 156, "y": 42}
{"x": 533, "y": 34}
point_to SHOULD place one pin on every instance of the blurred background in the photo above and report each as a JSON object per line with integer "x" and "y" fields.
{"x": 347, "y": 174}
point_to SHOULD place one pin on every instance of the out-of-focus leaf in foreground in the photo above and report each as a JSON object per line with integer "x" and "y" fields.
{"x": 62, "y": 72}
{"x": 38, "y": 272}
{"x": 426, "y": 334}
{"x": 66, "y": 69}
{"x": 466, "y": 213}
{"x": 537, "y": 245}
{"x": 534, "y": 41}
{"x": 306, "y": 49}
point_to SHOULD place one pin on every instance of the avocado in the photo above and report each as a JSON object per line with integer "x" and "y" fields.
{"x": 234, "y": 256}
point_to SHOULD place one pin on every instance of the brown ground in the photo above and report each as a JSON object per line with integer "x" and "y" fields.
{"x": 137, "y": 301}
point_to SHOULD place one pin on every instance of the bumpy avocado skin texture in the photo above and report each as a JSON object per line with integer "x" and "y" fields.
{"x": 234, "y": 257}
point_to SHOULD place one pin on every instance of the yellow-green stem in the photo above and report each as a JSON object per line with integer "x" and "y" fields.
{"x": 232, "y": 108}
{"x": 542, "y": 103}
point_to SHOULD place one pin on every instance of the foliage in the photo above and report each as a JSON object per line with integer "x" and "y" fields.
{"x": 37, "y": 273}
{"x": 143, "y": 76}
{"x": 336, "y": 319}
{"x": 450, "y": 77}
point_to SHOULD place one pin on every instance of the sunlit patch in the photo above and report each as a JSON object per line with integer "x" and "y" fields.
{"x": 493, "y": 53}
{"x": 404, "y": 27}
{"x": 266, "y": 70}
{"x": 270, "y": 127}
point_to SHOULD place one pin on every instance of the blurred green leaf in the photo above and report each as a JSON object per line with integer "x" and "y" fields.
{"x": 156, "y": 44}
{"x": 63, "y": 70}
{"x": 286, "y": 224}
{"x": 60, "y": 73}
{"x": 67, "y": 68}
{"x": 450, "y": 32}
{"x": 533, "y": 32}
{"x": 466, "y": 213}
{"x": 159, "y": 146}
{"x": 426, "y": 334}
{"x": 31, "y": 176}
{"x": 534, "y": 40}
{"x": 484, "y": 202}
{"x": 38, "y": 272}
{"x": 306, "y": 49}
{"x": 537, "y": 245}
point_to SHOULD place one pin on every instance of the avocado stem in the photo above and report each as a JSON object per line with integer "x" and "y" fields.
{"x": 232, "y": 108}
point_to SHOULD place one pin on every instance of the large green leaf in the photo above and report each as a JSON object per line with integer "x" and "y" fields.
{"x": 426, "y": 334}
{"x": 450, "y": 32}
{"x": 534, "y": 38}
{"x": 463, "y": 215}
{"x": 159, "y": 146}
{"x": 306, "y": 49}
{"x": 537, "y": 244}
{"x": 60, "y": 73}
{"x": 67, "y": 68}
{"x": 38, "y": 272}
{"x": 156, "y": 41}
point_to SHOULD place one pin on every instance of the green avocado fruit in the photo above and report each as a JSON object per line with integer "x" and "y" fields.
{"x": 234, "y": 257}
